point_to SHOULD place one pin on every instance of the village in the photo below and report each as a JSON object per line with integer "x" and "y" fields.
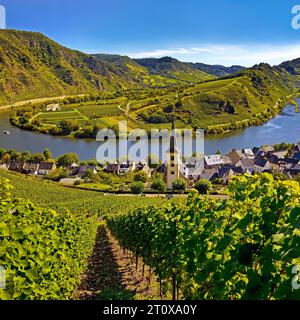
{"x": 217, "y": 169}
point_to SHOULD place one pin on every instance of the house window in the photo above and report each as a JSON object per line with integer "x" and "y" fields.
{"x": 172, "y": 173}
{"x": 172, "y": 165}
{"x": 172, "y": 158}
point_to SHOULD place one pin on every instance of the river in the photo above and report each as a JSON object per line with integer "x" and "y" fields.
{"x": 285, "y": 127}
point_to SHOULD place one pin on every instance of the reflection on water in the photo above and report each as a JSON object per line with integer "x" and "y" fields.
{"x": 283, "y": 128}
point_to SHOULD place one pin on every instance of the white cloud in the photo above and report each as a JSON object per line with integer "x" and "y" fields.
{"x": 246, "y": 55}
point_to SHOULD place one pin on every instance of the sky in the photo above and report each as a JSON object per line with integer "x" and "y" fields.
{"x": 227, "y": 32}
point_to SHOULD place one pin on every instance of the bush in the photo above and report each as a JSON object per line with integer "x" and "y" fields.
{"x": 159, "y": 185}
{"x": 137, "y": 187}
{"x": 203, "y": 186}
{"x": 141, "y": 176}
{"x": 179, "y": 185}
{"x": 67, "y": 159}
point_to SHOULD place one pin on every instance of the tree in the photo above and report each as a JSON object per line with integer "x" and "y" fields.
{"x": 37, "y": 158}
{"x": 68, "y": 126}
{"x": 57, "y": 175}
{"x": 6, "y": 158}
{"x": 141, "y": 176}
{"x": 67, "y": 159}
{"x": 2, "y": 152}
{"x": 47, "y": 154}
{"x": 203, "y": 186}
{"x": 137, "y": 187}
{"x": 179, "y": 185}
{"x": 25, "y": 156}
{"x": 159, "y": 185}
{"x": 88, "y": 174}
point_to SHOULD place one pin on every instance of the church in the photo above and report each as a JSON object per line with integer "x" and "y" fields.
{"x": 173, "y": 162}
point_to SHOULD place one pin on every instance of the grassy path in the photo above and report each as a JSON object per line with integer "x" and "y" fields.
{"x": 112, "y": 275}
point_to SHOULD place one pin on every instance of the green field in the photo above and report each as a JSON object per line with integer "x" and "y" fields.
{"x": 56, "y": 117}
{"x": 100, "y": 111}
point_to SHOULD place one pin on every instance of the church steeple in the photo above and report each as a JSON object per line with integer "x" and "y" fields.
{"x": 173, "y": 161}
{"x": 172, "y": 139}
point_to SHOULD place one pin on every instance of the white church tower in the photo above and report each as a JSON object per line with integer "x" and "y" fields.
{"x": 173, "y": 157}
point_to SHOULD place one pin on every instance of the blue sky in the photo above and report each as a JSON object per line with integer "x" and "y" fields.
{"x": 220, "y": 31}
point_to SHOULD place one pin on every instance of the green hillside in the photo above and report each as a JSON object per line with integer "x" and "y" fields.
{"x": 34, "y": 66}
{"x": 247, "y": 98}
{"x": 217, "y": 70}
{"x": 138, "y": 72}
{"x": 145, "y": 92}
{"x": 174, "y": 69}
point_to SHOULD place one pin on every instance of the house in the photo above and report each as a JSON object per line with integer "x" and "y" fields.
{"x": 142, "y": 166}
{"x": 192, "y": 169}
{"x": 246, "y": 164}
{"x": 295, "y": 149}
{"x": 127, "y": 167}
{"x": 16, "y": 166}
{"x": 226, "y": 159}
{"x": 280, "y": 154}
{"x": 112, "y": 168}
{"x": 53, "y": 107}
{"x": 212, "y": 161}
{"x": 73, "y": 169}
{"x": 209, "y": 174}
{"x": 290, "y": 162}
{"x": 292, "y": 173}
{"x": 297, "y": 156}
{"x": 46, "y": 168}
{"x": 237, "y": 155}
{"x": 248, "y": 153}
{"x": 261, "y": 165}
{"x": 297, "y": 166}
{"x": 255, "y": 150}
{"x": 31, "y": 168}
{"x": 82, "y": 170}
{"x": 225, "y": 173}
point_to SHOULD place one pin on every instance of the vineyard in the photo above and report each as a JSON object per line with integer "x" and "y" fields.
{"x": 245, "y": 247}
{"x": 54, "y": 196}
{"x": 44, "y": 253}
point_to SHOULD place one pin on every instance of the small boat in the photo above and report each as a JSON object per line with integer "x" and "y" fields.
{"x": 6, "y": 132}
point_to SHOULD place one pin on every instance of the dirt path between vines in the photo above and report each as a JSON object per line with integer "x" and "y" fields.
{"x": 112, "y": 274}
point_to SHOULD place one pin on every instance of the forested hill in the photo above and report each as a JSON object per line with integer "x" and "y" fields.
{"x": 34, "y": 66}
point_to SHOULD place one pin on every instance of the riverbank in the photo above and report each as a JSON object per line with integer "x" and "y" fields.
{"x": 284, "y": 127}
{"x": 83, "y": 120}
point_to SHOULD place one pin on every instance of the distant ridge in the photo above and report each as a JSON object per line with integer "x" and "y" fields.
{"x": 217, "y": 70}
